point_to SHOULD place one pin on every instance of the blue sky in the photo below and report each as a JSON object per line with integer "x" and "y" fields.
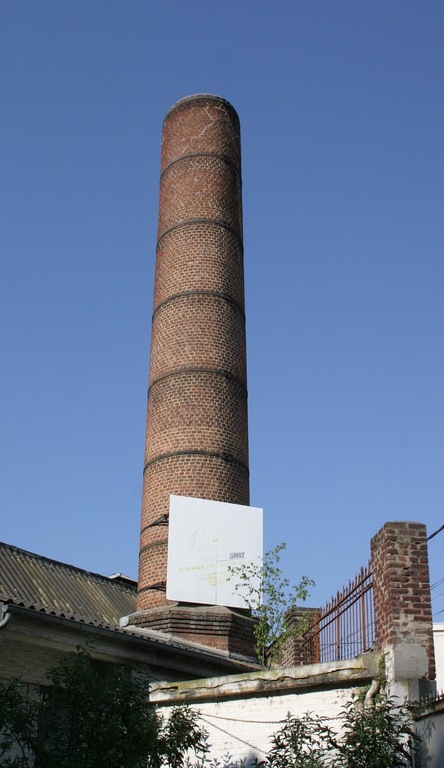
{"x": 341, "y": 108}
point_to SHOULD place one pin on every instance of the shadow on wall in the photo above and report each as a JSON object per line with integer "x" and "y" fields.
{"x": 430, "y": 749}
{"x": 226, "y": 761}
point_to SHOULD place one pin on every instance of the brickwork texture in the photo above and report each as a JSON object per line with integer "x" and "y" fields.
{"x": 401, "y": 583}
{"x": 212, "y": 626}
{"x": 196, "y": 434}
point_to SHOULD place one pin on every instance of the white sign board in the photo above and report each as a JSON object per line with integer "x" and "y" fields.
{"x": 204, "y": 538}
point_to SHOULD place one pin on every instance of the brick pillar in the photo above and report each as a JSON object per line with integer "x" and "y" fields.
{"x": 294, "y": 652}
{"x": 196, "y": 435}
{"x": 403, "y": 612}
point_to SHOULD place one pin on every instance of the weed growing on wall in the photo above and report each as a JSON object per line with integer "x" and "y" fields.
{"x": 270, "y": 598}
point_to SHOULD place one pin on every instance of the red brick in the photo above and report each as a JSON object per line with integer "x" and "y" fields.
{"x": 197, "y": 400}
{"x": 402, "y": 587}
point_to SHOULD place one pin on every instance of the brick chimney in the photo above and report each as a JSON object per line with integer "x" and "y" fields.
{"x": 196, "y": 435}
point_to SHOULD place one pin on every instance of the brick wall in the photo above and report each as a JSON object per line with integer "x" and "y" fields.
{"x": 401, "y": 583}
{"x": 196, "y": 435}
{"x": 293, "y": 653}
{"x": 227, "y": 629}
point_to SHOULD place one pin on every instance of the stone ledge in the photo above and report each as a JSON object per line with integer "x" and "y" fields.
{"x": 362, "y": 668}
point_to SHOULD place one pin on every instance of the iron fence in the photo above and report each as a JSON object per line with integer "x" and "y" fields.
{"x": 345, "y": 627}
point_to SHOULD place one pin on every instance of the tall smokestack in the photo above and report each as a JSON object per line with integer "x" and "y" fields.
{"x": 196, "y": 435}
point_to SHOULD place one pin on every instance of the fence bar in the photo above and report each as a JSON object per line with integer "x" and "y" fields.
{"x": 345, "y": 626}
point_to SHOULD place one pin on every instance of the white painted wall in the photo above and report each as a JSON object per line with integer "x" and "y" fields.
{"x": 242, "y": 728}
{"x": 438, "y": 636}
{"x": 242, "y": 712}
{"x": 431, "y": 731}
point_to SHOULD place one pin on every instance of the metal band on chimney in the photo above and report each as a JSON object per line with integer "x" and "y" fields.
{"x": 195, "y": 452}
{"x": 202, "y": 220}
{"x": 160, "y": 543}
{"x": 203, "y": 154}
{"x": 159, "y": 585}
{"x": 199, "y": 369}
{"x": 215, "y": 294}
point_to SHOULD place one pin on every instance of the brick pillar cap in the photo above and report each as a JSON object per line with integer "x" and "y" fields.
{"x": 200, "y": 97}
{"x": 402, "y": 522}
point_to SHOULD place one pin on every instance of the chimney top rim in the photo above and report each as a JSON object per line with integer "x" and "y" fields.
{"x": 200, "y": 97}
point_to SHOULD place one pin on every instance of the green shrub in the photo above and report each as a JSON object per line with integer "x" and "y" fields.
{"x": 376, "y": 737}
{"x": 92, "y": 717}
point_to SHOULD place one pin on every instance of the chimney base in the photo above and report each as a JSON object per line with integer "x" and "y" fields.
{"x": 227, "y": 629}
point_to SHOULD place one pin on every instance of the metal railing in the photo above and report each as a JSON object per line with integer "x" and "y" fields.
{"x": 345, "y": 627}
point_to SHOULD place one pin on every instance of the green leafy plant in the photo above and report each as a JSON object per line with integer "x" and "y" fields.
{"x": 18, "y": 725}
{"x": 93, "y": 716}
{"x": 270, "y": 598}
{"x": 376, "y": 737}
{"x": 300, "y": 743}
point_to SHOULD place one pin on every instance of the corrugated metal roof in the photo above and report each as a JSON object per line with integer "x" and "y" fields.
{"x": 63, "y": 590}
